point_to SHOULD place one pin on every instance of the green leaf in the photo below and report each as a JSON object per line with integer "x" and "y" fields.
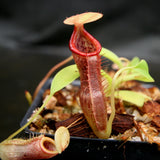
{"x": 111, "y": 56}
{"x": 134, "y": 62}
{"x": 141, "y": 72}
{"x": 64, "y": 77}
{"x": 138, "y": 72}
{"x": 132, "y": 97}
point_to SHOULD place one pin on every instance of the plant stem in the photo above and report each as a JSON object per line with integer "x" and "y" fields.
{"x": 109, "y": 123}
{"x": 127, "y": 78}
{"x": 30, "y": 121}
{"x": 113, "y": 86}
{"x": 49, "y": 74}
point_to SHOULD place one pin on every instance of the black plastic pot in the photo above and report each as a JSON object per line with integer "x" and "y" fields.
{"x": 98, "y": 149}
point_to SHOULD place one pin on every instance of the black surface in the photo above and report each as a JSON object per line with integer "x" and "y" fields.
{"x": 110, "y": 150}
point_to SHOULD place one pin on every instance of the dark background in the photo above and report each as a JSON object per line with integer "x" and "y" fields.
{"x": 33, "y": 38}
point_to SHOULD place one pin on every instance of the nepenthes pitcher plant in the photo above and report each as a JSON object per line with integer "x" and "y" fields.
{"x": 85, "y": 49}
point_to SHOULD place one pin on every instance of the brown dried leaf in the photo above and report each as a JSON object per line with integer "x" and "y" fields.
{"x": 122, "y": 122}
{"x": 78, "y": 125}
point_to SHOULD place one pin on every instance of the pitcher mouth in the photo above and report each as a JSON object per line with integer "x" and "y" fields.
{"x": 48, "y": 145}
{"x": 82, "y": 43}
